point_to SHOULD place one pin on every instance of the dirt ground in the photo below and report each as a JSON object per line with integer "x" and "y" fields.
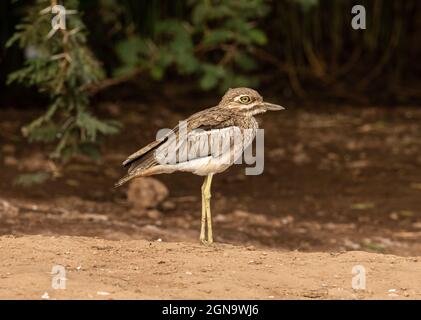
{"x": 336, "y": 179}
{"x": 140, "y": 269}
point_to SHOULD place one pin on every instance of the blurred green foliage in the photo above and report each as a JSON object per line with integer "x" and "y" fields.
{"x": 61, "y": 66}
{"x": 214, "y": 44}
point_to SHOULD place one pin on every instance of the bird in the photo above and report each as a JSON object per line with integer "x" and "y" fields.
{"x": 206, "y": 143}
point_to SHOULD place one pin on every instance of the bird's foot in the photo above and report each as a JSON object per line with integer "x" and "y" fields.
{"x": 206, "y": 242}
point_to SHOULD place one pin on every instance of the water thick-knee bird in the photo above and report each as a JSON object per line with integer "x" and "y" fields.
{"x": 206, "y": 143}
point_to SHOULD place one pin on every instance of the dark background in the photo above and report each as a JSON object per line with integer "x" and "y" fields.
{"x": 311, "y": 49}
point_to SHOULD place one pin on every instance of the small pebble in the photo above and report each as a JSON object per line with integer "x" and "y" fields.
{"x": 153, "y": 214}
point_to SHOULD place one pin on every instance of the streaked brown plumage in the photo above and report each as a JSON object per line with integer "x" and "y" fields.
{"x": 232, "y": 117}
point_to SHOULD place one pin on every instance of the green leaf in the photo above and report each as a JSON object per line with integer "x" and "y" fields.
{"x": 217, "y": 36}
{"x": 15, "y": 38}
{"x": 258, "y": 37}
{"x": 46, "y": 133}
{"x": 157, "y": 72}
{"x": 199, "y": 13}
{"x": 92, "y": 125}
{"x": 91, "y": 150}
{"x": 208, "y": 81}
{"x": 129, "y": 50}
{"x": 244, "y": 61}
{"x": 211, "y": 76}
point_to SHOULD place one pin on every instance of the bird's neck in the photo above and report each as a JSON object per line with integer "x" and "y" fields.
{"x": 247, "y": 120}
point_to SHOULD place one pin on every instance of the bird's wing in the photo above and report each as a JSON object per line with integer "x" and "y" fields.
{"x": 213, "y": 118}
{"x": 199, "y": 143}
{"x": 138, "y": 154}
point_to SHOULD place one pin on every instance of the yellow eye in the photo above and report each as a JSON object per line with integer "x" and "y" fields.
{"x": 245, "y": 99}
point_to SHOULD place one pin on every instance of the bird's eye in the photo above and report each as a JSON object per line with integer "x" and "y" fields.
{"x": 245, "y": 99}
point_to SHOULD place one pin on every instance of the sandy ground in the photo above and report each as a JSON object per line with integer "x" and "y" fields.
{"x": 140, "y": 269}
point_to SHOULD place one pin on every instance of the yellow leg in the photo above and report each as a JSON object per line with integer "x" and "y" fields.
{"x": 206, "y": 212}
{"x": 208, "y": 209}
{"x": 203, "y": 224}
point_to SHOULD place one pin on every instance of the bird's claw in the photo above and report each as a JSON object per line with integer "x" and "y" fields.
{"x": 206, "y": 242}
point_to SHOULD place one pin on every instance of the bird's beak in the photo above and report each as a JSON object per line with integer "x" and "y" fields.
{"x": 272, "y": 106}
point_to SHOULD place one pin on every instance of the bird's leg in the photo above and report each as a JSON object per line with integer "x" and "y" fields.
{"x": 203, "y": 225}
{"x": 207, "y": 195}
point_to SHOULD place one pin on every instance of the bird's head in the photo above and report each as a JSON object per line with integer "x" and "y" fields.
{"x": 248, "y": 101}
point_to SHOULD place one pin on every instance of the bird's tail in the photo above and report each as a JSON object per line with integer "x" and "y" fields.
{"x": 137, "y": 170}
{"x": 123, "y": 180}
